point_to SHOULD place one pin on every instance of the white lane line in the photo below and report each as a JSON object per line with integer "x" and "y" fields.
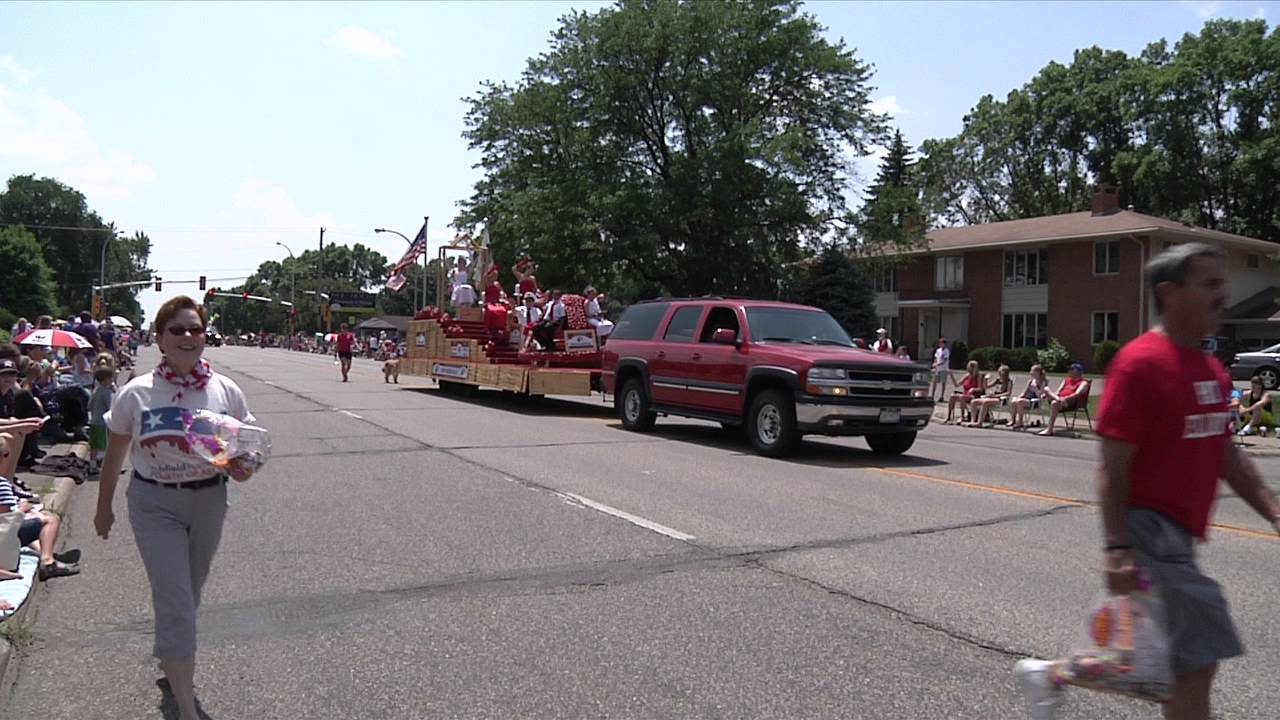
{"x": 633, "y": 519}
{"x": 349, "y": 413}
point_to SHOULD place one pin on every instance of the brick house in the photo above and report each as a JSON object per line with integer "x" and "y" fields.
{"x": 1076, "y": 277}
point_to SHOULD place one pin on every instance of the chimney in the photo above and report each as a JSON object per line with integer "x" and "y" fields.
{"x": 1105, "y": 200}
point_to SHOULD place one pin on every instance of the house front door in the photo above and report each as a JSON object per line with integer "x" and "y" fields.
{"x": 930, "y": 329}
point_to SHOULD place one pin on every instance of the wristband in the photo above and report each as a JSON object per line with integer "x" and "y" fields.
{"x": 1120, "y": 546}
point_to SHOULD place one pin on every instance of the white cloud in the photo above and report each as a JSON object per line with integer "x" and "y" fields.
{"x": 1260, "y": 13}
{"x": 363, "y": 42}
{"x": 1207, "y": 10}
{"x": 42, "y": 135}
{"x": 889, "y": 105}
{"x": 276, "y": 206}
{"x": 20, "y": 73}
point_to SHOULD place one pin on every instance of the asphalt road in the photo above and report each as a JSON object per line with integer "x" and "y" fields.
{"x": 408, "y": 554}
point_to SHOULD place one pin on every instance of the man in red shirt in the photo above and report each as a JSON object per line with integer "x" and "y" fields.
{"x": 1165, "y": 445}
{"x": 346, "y": 344}
{"x": 1072, "y": 394}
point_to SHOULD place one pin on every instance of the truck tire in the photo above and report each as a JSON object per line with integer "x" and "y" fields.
{"x": 771, "y": 424}
{"x": 891, "y": 443}
{"x": 633, "y": 407}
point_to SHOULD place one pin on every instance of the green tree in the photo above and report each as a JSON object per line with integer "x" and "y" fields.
{"x": 892, "y": 219}
{"x": 27, "y": 290}
{"x": 697, "y": 146}
{"x": 71, "y": 239}
{"x": 835, "y": 283}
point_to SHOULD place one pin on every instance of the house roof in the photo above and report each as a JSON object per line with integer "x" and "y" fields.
{"x": 1261, "y": 306}
{"x": 1081, "y": 226}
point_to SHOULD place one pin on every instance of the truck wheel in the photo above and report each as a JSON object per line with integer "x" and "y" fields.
{"x": 891, "y": 443}
{"x": 1270, "y": 378}
{"x": 771, "y": 424}
{"x": 633, "y": 407}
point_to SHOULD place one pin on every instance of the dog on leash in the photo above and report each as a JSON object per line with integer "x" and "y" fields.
{"x": 391, "y": 371}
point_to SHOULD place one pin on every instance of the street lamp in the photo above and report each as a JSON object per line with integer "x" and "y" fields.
{"x": 293, "y": 284}
{"x": 415, "y": 287}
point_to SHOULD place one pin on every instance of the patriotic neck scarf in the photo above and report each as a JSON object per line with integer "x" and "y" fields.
{"x": 197, "y": 379}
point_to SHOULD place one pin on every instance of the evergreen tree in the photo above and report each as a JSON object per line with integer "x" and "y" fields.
{"x": 892, "y": 219}
{"x": 836, "y": 284}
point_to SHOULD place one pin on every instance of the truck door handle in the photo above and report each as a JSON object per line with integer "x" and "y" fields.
{"x": 697, "y": 356}
{"x": 662, "y": 353}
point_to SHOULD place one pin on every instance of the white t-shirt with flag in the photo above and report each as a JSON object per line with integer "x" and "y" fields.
{"x": 146, "y": 409}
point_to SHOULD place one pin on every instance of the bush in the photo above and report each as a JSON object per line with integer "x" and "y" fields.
{"x": 959, "y": 355}
{"x": 990, "y": 358}
{"x": 1023, "y": 358}
{"x": 1055, "y": 358}
{"x": 1102, "y": 354}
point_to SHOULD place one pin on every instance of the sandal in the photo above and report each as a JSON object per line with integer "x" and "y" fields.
{"x": 1045, "y": 433}
{"x": 57, "y": 569}
{"x": 70, "y": 557}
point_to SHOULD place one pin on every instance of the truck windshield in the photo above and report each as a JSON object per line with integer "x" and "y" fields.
{"x": 780, "y": 324}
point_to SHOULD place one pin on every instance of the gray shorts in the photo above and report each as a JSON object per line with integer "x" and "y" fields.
{"x": 1201, "y": 631}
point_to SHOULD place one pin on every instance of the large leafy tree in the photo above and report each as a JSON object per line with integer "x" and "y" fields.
{"x": 1190, "y": 132}
{"x": 27, "y": 290}
{"x": 71, "y": 238}
{"x": 690, "y": 146}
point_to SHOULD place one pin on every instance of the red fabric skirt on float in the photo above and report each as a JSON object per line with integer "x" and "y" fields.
{"x": 495, "y": 316}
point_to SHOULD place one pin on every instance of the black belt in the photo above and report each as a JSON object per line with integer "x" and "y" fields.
{"x": 189, "y": 485}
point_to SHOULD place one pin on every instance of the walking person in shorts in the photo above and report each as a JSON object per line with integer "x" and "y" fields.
{"x": 940, "y": 370}
{"x": 1165, "y": 444}
{"x": 177, "y": 500}
{"x": 346, "y": 342}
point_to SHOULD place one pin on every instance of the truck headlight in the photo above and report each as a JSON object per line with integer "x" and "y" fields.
{"x": 920, "y": 378}
{"x": 827, "y": 374}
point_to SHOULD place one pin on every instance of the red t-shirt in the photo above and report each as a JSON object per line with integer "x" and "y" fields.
{"x": 1070, "y": 385}
{"x": 972, "y": 384}
{"x": 345, "y": 341}
{"x": 1171, "y": 403}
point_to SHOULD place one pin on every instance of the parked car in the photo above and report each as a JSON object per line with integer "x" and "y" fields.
{"x": 777, "y": 369}
{"x": 1265, "y": 364}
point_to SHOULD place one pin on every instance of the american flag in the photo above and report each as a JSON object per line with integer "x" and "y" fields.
{"x": 396, "y": 278}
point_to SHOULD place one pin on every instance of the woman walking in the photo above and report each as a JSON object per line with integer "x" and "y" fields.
{"x": 177, "y": 501}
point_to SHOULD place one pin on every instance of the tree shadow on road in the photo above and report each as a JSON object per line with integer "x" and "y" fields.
{"x": 169, "y": 705}
{"x": 813, "y": 451}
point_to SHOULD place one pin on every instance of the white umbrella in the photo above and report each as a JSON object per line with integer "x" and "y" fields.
{"x": 121, "y": 322}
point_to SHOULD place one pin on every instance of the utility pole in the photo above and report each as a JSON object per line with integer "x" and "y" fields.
{"x": 321, "y": 252}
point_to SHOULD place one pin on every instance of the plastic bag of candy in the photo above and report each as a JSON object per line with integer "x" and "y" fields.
{"x": 226, "y": 443}
{"x": 1125, "y": 649}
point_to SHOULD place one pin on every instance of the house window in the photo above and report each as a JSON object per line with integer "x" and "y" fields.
{"x": 1106, "y": 258}
{"x": 949, "y": 272}
{"x": 890, "y": 323}
{"x": 885, "y": 279}
{"x": 1106, "y": 326}
{"x": 1026, "y": 330}
{"x": 1252, "y": 262}
{"x": 1026, "y": 267}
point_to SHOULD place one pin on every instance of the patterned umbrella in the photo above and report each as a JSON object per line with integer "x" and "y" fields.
{"x": 53, "y": 338}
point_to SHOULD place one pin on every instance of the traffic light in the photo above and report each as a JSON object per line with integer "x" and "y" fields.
{"x": 202, "y": 282}
{"x": 244, "y": 296}
{"x": 208, "y": 294}
{"x": 157, "y": 284}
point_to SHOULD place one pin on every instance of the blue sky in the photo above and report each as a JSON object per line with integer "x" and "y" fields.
{"x": 221, "y": 129}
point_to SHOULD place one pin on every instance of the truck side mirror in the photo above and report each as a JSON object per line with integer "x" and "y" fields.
{"x": 725, "y": 336}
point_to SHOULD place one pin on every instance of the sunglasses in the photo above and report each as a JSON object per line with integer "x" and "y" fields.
{"x": 178, "y": 331}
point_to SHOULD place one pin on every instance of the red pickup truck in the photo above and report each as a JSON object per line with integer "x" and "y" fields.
{"x": 780, "y": 370}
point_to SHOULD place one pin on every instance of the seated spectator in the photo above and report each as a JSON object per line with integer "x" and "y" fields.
{"x": 882, "y": 343}
{"x": 18, "y": 403}
{"x": 1255, "y": 410}
{"x": 997, "y": 394}
{"x": 1071, "y": 395}
{"x": 973, "y": 386}
{"x": 903, "y": 352}
{"x": 39, "y": 531}
{"x": 1029, "y": 399}
{"x": 19, "y": 327}
{"x": 553, "y": 320}
{"x": 595, "y": 316}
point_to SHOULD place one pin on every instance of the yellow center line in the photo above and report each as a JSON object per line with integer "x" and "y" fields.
{"x": 1047, "y": 497}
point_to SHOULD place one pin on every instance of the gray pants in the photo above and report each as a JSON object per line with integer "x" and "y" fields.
{"x": 177, "y": 532}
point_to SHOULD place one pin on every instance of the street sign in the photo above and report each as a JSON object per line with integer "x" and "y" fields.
{"x": 360, "y": 303}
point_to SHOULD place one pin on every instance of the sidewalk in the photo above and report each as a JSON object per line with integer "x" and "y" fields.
{"x": 15, "y": 631}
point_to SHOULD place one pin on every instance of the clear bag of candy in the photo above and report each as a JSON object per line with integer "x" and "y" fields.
{"x": 1125, "y": 647}
{"x": 229, "y": 445}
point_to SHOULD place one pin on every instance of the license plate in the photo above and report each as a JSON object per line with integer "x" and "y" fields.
{"x": 890, "y": 415}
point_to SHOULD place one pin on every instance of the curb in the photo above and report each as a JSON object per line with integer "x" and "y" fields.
{"x": 25, "y": 617}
